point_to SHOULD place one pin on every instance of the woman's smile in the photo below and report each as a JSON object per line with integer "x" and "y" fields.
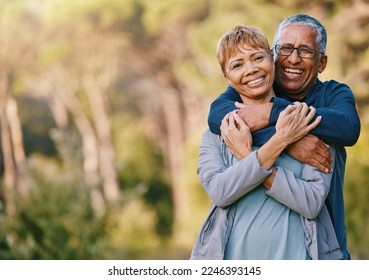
{"x": 256, "y": 82}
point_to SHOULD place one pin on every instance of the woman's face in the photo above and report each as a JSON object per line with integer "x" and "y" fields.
{"x": 250, "y": 72}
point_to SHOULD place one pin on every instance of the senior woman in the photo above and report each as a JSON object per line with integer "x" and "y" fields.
{"x": 265, "y": 204}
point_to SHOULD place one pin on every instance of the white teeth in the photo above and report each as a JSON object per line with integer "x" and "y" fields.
{"x": 255, "y": 81}
{"x": 294, "y": 71}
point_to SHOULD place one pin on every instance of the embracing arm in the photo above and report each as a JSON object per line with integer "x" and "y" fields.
{"x": 305, "y": 195}
{"x": 220, "y": 107}
{"x": 224, "y": 183}
{"x": 340, "y": 124}
{"x": 256, "y": 115}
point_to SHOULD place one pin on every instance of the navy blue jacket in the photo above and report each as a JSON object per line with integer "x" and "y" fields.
{"x": 340, "y": 126}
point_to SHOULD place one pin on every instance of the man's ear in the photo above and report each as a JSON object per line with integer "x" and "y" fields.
{"x": 322, "y": 63}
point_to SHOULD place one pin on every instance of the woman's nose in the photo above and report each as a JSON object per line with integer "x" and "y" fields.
{"x": 250, "y": 68}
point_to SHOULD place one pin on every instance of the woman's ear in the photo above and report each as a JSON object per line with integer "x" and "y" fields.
{"x": 272, "y": 54}
{"x": 228, "y": 81}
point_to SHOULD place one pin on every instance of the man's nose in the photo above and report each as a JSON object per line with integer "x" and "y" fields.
{"x": 294, "y": 56}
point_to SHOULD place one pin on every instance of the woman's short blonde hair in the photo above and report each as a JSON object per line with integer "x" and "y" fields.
{"x": 237, "y": 37}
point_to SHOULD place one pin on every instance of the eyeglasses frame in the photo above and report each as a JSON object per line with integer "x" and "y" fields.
{"x": 298, "y": 51}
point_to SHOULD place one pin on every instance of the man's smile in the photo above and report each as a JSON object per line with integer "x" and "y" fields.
{"x": 293, "y": 71}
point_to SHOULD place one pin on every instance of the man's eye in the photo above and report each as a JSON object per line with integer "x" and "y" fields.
{"x": 306, "y": 50}
{"x": 285, "y": 49}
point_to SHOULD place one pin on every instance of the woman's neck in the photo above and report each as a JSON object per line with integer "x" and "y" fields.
{"x": 261, "y": 100}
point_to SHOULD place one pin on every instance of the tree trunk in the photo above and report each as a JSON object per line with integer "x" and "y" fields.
{"x": 10, "y": 167}
{"x": 102, "y": 121}
{"x": 89, "y": 148}
{"x": 174, "y": 152}
{"x": 16, "y": 134}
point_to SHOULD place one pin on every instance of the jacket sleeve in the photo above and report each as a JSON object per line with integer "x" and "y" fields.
{"x": 225, "y": 183}
{"x": 305, "y": 195}
{"x": 340, "y": 123}
{"x": 220, "y": 107}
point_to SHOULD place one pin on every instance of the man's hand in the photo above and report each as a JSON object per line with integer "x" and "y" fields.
{"x": 313, "y": 151}
{"x": 256, "y": 116}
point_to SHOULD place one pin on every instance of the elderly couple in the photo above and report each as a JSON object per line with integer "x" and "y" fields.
{"x": 273, "y": 160}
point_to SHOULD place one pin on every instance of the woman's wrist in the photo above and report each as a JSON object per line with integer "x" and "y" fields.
{"x": 269, "y": 180}
{"x": 244, "y": 153}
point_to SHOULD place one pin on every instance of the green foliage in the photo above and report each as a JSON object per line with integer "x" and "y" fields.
{"x": 100, "y": 12}
{"x": 356, "y": 198}
{"x": 136, "y": 233}
{"x": 161, "y": 14}
{"x": 35, "y": 129}
{"x": 142, "y": 174}
{"x": 54, "y": 221}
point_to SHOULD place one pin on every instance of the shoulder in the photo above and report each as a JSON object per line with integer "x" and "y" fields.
{"x": 211, "y": 140}
{"x": 207, "y": 135}
{"x": 333, "y": 91}
{"x": 332, "y": 86}
{"x": 212, "y": 145}
{"x": 230, "y": 94}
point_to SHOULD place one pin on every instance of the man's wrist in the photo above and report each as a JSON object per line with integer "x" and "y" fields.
{"x": 263, "y": 117}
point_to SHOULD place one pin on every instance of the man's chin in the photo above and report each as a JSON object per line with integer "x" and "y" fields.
{"x": 292, "y": 90}
{"x": 291, "y": 87}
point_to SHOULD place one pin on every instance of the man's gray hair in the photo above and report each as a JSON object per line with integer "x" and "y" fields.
{"x": 303, "y": 19}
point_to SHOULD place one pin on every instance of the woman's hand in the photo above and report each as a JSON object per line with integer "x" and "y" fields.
{"x": 237, "y": 135}
{"x": 293, "y": 122}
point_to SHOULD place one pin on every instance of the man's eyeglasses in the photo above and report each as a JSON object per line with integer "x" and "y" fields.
{"x": 303, "y": 52}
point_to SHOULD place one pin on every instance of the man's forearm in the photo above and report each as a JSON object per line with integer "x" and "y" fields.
{"x": 338, "y": 128}
{"x": 256, "y": 115}
{"x": 340, "y": 123}
{"x": 220, "y": 107}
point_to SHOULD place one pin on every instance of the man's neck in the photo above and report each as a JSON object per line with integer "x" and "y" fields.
{"x": 280, "y": 93}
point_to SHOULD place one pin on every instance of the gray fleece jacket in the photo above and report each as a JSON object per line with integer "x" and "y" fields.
{"x": 226, "y": 182}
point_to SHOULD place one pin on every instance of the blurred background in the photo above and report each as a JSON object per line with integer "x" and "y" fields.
{"x": 102, "y": 106}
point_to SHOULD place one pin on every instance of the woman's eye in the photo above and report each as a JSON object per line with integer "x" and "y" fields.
{"x": 237, "y": 65}
{"x": 258, "y": 58}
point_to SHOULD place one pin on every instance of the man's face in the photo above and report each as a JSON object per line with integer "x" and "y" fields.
{"x": 296, "y": 75}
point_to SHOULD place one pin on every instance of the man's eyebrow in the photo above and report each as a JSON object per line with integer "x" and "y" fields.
{"x": 286, "y": 45}
{"x": 300, "y": 46}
